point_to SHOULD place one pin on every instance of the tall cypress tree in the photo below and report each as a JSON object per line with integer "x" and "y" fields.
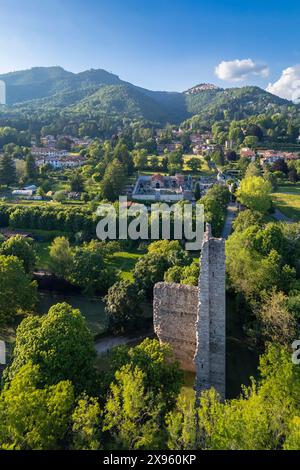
{"x": 30, "y": 168}
{"x": 7, "y": 170}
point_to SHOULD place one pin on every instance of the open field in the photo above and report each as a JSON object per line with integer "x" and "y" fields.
{"x": 122, "y": 260}
{"x": 91, "y": 309}
{"x": 288, "y": 204}
{"x": 205, "y": 169}
{"x": 286, "y": 199}
{"x": 288, "y": 188}
{"x": 125, "y": 262}
{"x": 43, "y": 257}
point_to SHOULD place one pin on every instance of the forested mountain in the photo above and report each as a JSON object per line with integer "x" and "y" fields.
{"x": 95, "y": 94}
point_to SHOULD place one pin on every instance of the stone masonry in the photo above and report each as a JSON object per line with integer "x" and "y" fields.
{"x": 192, "y": 319}
{"x": 175, "y": 314}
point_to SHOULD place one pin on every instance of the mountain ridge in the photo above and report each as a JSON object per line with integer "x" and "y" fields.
{"x": 96, "y": 92}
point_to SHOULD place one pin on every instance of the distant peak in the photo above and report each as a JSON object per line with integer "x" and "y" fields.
{"x": 201, "y": 87}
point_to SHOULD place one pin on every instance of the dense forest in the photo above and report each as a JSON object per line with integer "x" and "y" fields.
{"x": 41, "y": 96}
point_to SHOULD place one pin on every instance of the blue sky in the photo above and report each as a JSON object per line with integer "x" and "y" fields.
{"x": 158, "y": 44}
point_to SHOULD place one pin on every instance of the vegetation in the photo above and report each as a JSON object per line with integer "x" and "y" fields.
{"x": 55, "y": 392}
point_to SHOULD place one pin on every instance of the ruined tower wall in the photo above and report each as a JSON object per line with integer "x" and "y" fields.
{"x": 211, "y": 327}
{"x": 192, "y": 319}
{"x": 175, "y": 312}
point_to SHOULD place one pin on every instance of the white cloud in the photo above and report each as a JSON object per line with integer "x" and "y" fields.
{"x": 288, "y": 85}
{"x": 239, "y": 70}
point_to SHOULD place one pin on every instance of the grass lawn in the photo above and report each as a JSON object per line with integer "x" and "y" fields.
{"x": 288, "y": 204}
{"x": 125, "y": 262}
{"x": 205, "y": 169}
{"x": 91, "y": 309}
{"x": 122, "y": 260}
{"x": 288, "y": 188}
{"x": 43, "y": 256}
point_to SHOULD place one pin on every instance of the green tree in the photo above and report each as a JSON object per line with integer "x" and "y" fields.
{"x": 61, "y": 344}
{"x": 122, "y": 154}
{"x": 22, "y": 248}
{"x": 30, "y": 169}
{"x": 34, "y": 417}
{"x": 162, "y": 376}
{"x": 77, "y": 182}
{"x": 217, "y": 157}
{"x": 255, "y": 193}
{"x": 246, "y": 219}
{"x": 61, "y": 257}
{"x": 253, "y": 170}
{"x": 122, "y": 306}
{"x": 278, "y": 324}
{"x": 182, "y": 425}
{"x": 175, "y": 161}
{"x": 195, "y": 164}
{"x": 292, "y": 441}
{"x": 86, "y": 424}
{"x": 197, "y": 192}
{"x": 140, "y": 159}
{"x": 264, "y": 417}
{"x": 113, "y": 180}
{"x": 251, "y": 272}
{"x": 149, "y": 270}
{"x": 90, "y": 271}
{"x": 183, "y": 274}
{"x": 131, "y": 412}
{"x": 250, "y": 141}
{"x": 18, "y": 293}
{"x": 7, "y": 170}
{"x": 60, "y": 196}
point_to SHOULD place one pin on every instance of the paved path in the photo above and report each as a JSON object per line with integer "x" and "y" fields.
{"x": 107, "y": 343}
{"x": 103, "y": 345}
{"x": 232, "y": 211}
{"x": 281, "y": 217}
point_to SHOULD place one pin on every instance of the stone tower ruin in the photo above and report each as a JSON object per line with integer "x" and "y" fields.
{"x": 192, "y": 319}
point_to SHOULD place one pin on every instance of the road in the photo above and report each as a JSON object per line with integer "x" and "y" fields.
{"x": 105, "y": 344}
{"x": 280, "y": 217}
{"x": 232, "y": 211}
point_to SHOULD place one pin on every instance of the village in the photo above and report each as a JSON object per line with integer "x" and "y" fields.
{"x": 156, "y": 184}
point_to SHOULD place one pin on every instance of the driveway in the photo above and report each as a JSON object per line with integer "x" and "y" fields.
{"x": 232, "y": 211}
{"x": 280, "y": 217}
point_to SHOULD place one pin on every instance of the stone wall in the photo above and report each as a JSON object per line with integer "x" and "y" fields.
{"x": 211, "y": 321}
{"x": 192, "y": 319}
{"x": 175, "y": 311}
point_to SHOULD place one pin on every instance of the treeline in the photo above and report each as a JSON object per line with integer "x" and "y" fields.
{"x": 10, "y": 135}
{"x": 55, "y": 218}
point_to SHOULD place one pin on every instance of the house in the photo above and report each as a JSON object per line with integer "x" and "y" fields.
{"x": 48, "y": 152}
{"x": 272, "y": 156}
{"x": 157, "y": 181}
{"x": 31, "y": 187}
{"x": 65, "y": 161}
{"x": 168, "y": 147}
{"x": 246, "y": 152}
{"x": 23, "y": 192}
{"x": 48, "y": 141}
{"x": 163, "y": 188}
{"x": 7, "y": 233}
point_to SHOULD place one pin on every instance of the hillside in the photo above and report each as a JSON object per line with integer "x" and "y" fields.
{"x": 94, "y": 94}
